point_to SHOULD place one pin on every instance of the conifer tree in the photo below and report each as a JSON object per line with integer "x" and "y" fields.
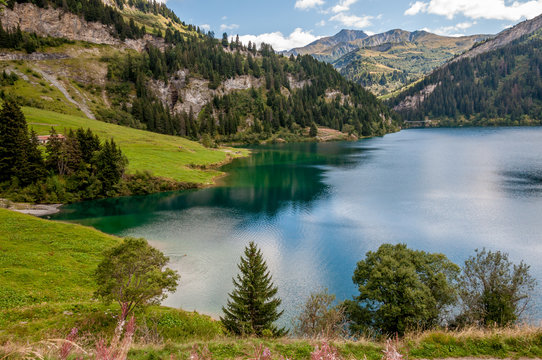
{"x": 313, "y": 130}
{"x": 19, "y": 155}
{"x": 111, "y": 164}
{"x": 13, "y": 138}
{"x": 253, "y": 308}
{"x": 53, "y": 149}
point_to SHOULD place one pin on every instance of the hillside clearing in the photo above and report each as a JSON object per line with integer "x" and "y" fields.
{"x": 165, "y": 156}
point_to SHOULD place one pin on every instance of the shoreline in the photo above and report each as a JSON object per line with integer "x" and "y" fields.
{"x": 30, "y": 209}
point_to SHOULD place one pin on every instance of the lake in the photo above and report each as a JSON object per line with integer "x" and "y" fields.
{"x": 316, "y": 209}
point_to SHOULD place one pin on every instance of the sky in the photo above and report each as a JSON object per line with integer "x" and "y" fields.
{"x": 286, "y": 24}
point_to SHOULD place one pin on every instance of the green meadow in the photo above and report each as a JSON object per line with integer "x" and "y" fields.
{"x": 165, "y": 156}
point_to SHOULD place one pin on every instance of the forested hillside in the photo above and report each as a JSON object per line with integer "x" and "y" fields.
{"x": 500, "y": 87}
{"x": 184, "y": 81}
{"x": 385, "y": 62}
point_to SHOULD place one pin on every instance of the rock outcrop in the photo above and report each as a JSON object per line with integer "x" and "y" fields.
{"x": 182, "y": 93}
{"x": 412, "y": 102}
{"x": 58, "y": 23}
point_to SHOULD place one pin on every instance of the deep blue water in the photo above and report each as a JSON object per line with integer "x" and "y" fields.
{"x": 316, "y": 209}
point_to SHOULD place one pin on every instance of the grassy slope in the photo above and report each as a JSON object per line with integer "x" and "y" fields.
{"x": 416, "y": 58}
{"x": 163, "y": 155}
{"x": 46, "y": 261}
{"x": 46, "y": 284}
{"x": 46, "y": 287}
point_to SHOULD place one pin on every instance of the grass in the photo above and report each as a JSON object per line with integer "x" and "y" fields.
{"x": 46, "y": 289}
{"x": 513, "y": 342}
{"x": 165, "y": 156}
{"x": 45, "y": 261}
{"x": 39, "y": 92}
{"x": 46, "y": 286}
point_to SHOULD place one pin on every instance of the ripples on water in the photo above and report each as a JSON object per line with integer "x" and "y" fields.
{"x": 315, "y": 209}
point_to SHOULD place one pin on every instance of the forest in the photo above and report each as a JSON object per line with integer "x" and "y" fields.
{"x": 502, "y": 87}
{"x": 272, "y": 107}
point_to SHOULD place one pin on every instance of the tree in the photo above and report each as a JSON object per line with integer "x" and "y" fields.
{"x": 320, "y": 316}
{"x": 493, "y": 290}
{"x": 19, "y": 154}
{"x": 253, "y": 308}
{"x": 110, "y": 164}
{"x": 54, "y": 160}
{"x": 133, "y": 273}
{"x": 401, "y": 289}
{"x": 313, "y": 130}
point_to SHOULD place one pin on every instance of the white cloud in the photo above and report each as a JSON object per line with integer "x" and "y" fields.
{"x": 321, "y": 23}
{"x": 205, "y": 27}
{"x": 224, "y": 17}
{"x": 454, "y": 30}
{"x": 343, "y": 5}
{"x": 417, "y": 7}
{"x": 224, "y": 27}
{"x": 478, "y": 9}
{"x": 352, "y": 21}
{"x": 308, "y": 4}
{"x": 297, "y": 38}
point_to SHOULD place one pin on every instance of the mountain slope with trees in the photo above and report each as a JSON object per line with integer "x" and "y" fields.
{"x": 182, "y": 81}
{"x": 387, "y": 61}
{"x": 502, "y": 86}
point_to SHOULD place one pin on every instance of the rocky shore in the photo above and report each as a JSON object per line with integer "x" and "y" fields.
{"x": 31, "y": 209}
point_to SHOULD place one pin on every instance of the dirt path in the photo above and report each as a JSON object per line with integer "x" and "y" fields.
{"x": 81, "y": 105}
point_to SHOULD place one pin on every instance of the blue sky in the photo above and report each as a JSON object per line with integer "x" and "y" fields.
{"x": 290, "y": 23}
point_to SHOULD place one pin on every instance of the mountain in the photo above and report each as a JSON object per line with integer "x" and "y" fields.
{"x": 498, "y": 82}
{"x": 387, "y": 61}
{"x": 330, "y": 48}
{"x": 137, "y": 64}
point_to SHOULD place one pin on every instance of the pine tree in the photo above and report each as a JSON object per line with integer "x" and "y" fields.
{"x": 110, "y": 163}
{"x": 13, "y": 133}
{"x": 19, "y": 154}
{"x": 313, "y": 130}
{"x": 54, "y": 160}
{"x": 253, "y": 308}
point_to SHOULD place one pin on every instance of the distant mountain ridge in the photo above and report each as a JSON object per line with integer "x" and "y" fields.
{"x": 505, "y": 37}
{"x": 387, "y": 61}
{"x": 498, "y": 82}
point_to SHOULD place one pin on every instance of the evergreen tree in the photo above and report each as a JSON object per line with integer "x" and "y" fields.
{"x": 53, "y": 149}
{"x": 313, "y": 130}
{"x": 111, "y": 164}
{"x": 36, "y": 165}
{"x": 13, "y": 136}
{"x": 19, "y": 155}
{"x": 253, "y": 308}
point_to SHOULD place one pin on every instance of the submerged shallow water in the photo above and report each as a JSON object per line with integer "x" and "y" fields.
{"x": 316, "y": 209}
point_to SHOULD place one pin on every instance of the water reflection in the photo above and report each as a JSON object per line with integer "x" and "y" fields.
{"x": 525, "y": 182}
{"x": 315, "y": 209}
{"x": 273, "y": 177}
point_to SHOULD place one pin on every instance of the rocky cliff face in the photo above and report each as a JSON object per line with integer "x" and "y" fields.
{"x": 182, "y": 93}
{"x": 57, "y": 23}
{"x": 412, "y": 102}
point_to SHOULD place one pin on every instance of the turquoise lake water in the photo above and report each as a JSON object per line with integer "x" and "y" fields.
{"x": 316, "y": 209}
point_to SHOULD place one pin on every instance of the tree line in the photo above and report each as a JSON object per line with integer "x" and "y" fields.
{"x": 502, "y": 87}
{"x": 19, "y": 40}
{"x": 400, "y": 290}
{"x": 71, "y": 167}
{"x": 260, "y": 111}
{"x": 93, "y": 11}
